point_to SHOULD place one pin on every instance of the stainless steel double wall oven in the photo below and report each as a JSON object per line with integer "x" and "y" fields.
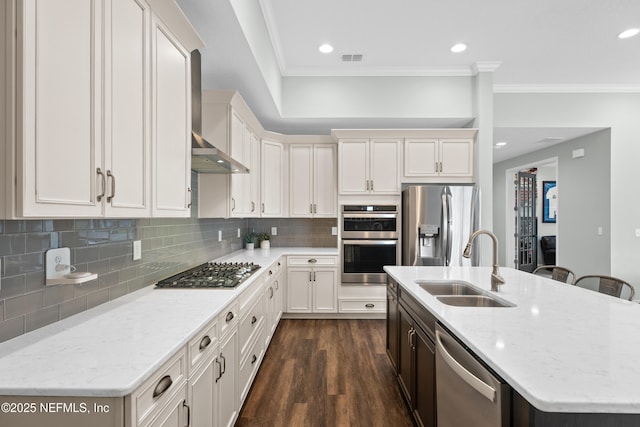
{"x": 369, "y": 241}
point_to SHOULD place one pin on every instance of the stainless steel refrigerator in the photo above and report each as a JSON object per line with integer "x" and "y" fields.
{"x": 436, "y": 223}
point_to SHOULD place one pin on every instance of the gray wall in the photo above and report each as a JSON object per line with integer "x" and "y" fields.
{"x": 617, "y": 111}
{"x": 583, "y": 201}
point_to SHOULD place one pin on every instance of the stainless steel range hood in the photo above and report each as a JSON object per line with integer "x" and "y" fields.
{"x": 205, "y": 157}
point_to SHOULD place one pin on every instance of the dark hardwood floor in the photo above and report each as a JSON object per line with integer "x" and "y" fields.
{"x": 326, "y": 373}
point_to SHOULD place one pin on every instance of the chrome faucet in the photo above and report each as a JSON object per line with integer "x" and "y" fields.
{"x": 496, "y": 278}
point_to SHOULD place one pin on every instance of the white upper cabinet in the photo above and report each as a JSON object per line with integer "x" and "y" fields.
{"x": 127, "y": 134}
{"x": 439, "y": 159}
{"x": 369, "y": 166}
{"x": 171, "y": 124}
{"x": 272, "y": 179}
{"x": 59, "y": 110}
{"x": 89, "y": 77}
{"x": 230, "y": 126}
{"x": 313, "y": 180}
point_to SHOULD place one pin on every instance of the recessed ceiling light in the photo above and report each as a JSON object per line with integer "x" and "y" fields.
{"x": 629, "y": 33}
{"x": 325, "y": 48}
{"x": 459, "y": 47}
{"x": 501, "y": 144}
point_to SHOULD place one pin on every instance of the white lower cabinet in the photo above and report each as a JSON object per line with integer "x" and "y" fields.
{"x": 162, "y": 399}
{"x": 370, "y": 299}
{"x": 226, "y": 381}
{"x": 312, "y": 284}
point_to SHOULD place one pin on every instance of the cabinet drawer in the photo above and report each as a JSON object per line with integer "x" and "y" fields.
{"x": 312, "y": 261}
{"x": 154, "y": 393}
{"x": 228, "y": 318}
{"x": 202, "y": 346}
{"x": 250, "y": 323}
{"x": 363, "y": 306}
{"x": 250, "y": 364}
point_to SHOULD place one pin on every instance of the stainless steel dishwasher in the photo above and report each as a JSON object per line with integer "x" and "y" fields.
{"x": 467, "y": 393}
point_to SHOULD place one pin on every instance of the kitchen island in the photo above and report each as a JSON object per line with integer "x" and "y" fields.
{"x": 562, "y": 349}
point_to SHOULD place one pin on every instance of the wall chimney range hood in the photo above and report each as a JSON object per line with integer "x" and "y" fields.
{"x": 205, "y": 157}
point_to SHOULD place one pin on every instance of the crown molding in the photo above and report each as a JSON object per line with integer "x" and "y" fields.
{"x": 485, "y": 66}
{"x": 566, "y": 88}
{"x": 380, "y": 72}
{"x": 274, "y": 35}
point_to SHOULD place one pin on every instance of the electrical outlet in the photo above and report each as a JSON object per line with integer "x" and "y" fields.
{"x": 637, "y": 232}
{"x": 274, "y": 231}
{"x": 219, "y": 235}
{"x": 334, "y": 231}
{"x": 137, "y": 250}
{"x": 238, "y": 233}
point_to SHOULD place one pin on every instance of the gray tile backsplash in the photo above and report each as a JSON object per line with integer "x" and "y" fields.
{"x": 104, "y": 246}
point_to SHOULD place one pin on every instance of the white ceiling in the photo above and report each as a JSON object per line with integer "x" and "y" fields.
{"x": 567, "y": 45}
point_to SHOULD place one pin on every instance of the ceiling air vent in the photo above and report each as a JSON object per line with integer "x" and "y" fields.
{"x": 352, "y": 58}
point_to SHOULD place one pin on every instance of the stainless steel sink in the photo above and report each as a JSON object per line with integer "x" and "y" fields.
{"x": 449, "y": 288}
{"x": 473, "y": 301}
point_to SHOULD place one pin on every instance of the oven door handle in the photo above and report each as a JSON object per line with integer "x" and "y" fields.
{"x": 370, "y": 215}
{"x": 369, "y": 242}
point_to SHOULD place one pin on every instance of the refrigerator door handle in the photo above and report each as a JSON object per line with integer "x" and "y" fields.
{"x": 446, "y": 220}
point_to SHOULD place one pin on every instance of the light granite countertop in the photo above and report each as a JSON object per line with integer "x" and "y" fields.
{"x": 110, "y": 350}
{"x": 563, "y": 348}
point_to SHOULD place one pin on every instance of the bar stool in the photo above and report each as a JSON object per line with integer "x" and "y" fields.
{"x": 561, "y": 274}
{"x": 606, "y": 285}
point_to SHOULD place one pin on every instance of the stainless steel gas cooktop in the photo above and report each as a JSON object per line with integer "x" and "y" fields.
{"x": 218, "y": 275}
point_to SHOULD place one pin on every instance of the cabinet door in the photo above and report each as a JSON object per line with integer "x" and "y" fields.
{"x": 405, "y": 354}
{"x": 171, "y": 125}
{"x": 325, "y": 290}
{"x": 60, "y": 125}
{"x": 392, "y": 328}
{"x": 457, "y": 157}
{"x": 272, "y": 179}
{"x": 325, "y": 181}
{"x": 425, "y": 369}
{"x": 299, "y": 290}
{"x": 420, "y": 158}
{"x": 237, "y": 131}
{"x": 202, "y": 392}
{"x": 353, "y": 166}
{"x": 127, "y": 136}
{"x": 385, "y": 171}
{"x": 227, "y": 384}
{"x": 301, "y": 180}
{"x": 254, "y": 176}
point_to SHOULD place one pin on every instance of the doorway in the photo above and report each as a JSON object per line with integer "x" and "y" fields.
{"x": 544, "y": 171}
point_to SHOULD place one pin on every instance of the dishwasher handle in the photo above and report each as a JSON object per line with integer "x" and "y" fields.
{"x": 478, "y": 385}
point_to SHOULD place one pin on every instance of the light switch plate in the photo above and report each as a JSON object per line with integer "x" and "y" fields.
{"x": 274, "y": 231}
{"x": 334, "y": 231}
{"x": 137, "y": 250}
{"x": 637, "y": 232}
{"x": 238, "y": 233}
{"x": 219, "y": 235}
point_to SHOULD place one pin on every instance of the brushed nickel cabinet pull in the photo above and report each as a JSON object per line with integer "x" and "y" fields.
{"x": 184, "y": 405}
{"x": 312, "y": 260}
{"x": 204, "y": 343}
{"x": 229, "y": 317}
{"x": 253, "y": 359}
{"x": 233, "y": 205}
{"x": 113, "y": 186}
{"x": 104, "y": 184}
{"x": 219, "y": 369}
{"x": 162, "y": 386}
{"x": 369, "y": 305}
{"x": 253, "y": 206}
{"x": 254, "y": 319}
{"x": 271, "y": 292}
{"x": 190, "y": 197}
